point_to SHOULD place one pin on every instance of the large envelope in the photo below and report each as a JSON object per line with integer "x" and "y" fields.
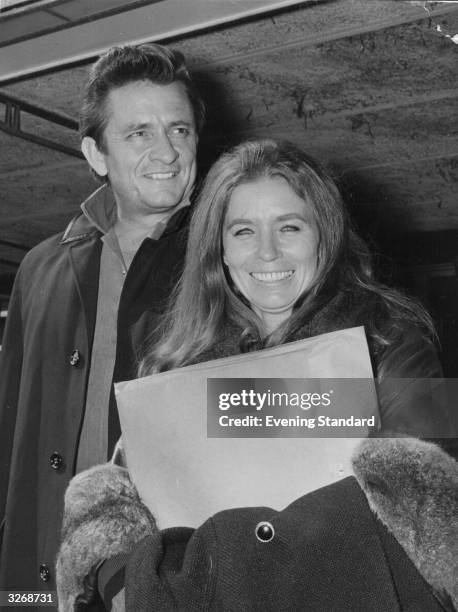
{"x": 184, "y": 476}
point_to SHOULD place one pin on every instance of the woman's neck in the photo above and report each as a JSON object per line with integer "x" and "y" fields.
{"x": 272, "y": 321}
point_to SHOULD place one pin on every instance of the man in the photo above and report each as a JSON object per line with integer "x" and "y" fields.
{"x": 84, "y": 300}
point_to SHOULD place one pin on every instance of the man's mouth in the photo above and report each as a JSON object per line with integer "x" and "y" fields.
{"x": 271, "y": 277}
{"x": 161, "y": 176}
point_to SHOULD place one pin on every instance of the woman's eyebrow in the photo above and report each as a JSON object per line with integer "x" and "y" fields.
{"x": 239, "y": 222}
{"x": 281, "y": 218}
{"x": 294, "y": 215}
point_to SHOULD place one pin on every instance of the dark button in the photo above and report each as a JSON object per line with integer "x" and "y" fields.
{"x": 75, "y": 358}
{"x": 45, "y": 574}
{"x": 264, "y": 531}
{"x": 56, "y": 460}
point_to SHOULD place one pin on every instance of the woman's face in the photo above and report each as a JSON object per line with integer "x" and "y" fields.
{"x": 270, "y": 246}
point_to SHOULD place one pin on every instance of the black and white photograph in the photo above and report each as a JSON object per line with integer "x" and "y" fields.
{"x": 229, "y": 305}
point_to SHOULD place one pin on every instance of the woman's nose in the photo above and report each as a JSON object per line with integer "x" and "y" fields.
{"x": 163, "y": 150}
{"x": 267, "y": 247}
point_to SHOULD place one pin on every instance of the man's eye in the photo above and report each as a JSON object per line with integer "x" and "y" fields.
{"x": 137, "y": 134}
{"x": 180, "y": 131}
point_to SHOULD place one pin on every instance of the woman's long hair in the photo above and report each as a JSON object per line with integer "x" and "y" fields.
{"x": 205, "y": 300}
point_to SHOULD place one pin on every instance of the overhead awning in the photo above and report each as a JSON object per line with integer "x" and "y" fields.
{"x": 45, "y": 34}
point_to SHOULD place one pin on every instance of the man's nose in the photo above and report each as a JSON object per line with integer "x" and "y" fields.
{"x": 163, "y": 150}
{"x": 268, "y": 247}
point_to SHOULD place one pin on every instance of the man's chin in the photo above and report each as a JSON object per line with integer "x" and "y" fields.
{"x": 162, "y": 202}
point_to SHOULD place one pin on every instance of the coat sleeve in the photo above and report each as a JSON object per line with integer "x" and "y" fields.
{"x": 103, "y": 517}
{"x": 411, "y": 390}
{"x": 11, "y": 357}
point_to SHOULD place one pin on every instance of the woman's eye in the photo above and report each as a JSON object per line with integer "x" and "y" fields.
{"x": 290, "y": 228}
{"x": 243, "y": 231}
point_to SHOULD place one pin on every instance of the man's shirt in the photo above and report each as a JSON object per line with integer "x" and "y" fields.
{"x": 100, "y": 210}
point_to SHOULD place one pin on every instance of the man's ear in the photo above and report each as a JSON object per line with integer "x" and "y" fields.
{"x": 95, "y": 158}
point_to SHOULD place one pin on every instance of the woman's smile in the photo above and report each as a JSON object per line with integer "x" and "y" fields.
{"x": 272, "y": 277}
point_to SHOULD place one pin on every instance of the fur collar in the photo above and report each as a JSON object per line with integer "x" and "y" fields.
{"x": 412, "y": 487}
{"x": 341, "y": 311}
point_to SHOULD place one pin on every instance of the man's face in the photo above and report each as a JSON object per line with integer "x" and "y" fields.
{"x": 149, "y": 151}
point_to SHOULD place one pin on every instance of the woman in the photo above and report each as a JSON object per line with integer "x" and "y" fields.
{"x": 272, "y": 257}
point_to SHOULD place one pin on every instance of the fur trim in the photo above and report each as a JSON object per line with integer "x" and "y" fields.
{"x": 103, "y": 516}
{"x": 412, "y": 486}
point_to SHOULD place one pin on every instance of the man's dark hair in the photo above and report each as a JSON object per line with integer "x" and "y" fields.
{"x": 126, "y": 64}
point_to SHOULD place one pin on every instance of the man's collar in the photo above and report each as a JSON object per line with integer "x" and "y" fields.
{"x": 99, "y": 214}
{"x": 176, "y": 220}
{"x": 100, "y": 209}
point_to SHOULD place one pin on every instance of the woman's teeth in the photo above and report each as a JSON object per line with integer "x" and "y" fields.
{"x": 270, "y": 277}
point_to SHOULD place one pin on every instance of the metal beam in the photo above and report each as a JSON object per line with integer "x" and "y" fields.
{"x": 155, "y": 22}
{"x": 12, "y": 124}
{"x": 87, "y": 15}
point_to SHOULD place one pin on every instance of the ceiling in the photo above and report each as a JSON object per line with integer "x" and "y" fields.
{"x": 24, "y": 20}
{"x": 368, "y": 87}
{"x": 47, "y": 34}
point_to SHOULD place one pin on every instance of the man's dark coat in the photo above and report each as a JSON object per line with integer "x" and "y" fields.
{"x": 44, "y": 373}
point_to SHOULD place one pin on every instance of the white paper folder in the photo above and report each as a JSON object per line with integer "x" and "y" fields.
{"x": 184, "y": 476}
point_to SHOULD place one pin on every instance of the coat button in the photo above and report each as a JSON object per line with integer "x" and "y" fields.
{"x": 45, "y": 574}
{"x": 264, "y": 531}
{"x": 56, "y": 460}
{"x": 75, "y": 358}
